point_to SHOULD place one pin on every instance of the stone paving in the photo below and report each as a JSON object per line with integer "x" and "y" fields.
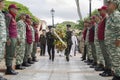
{"x": 57, "y": 70}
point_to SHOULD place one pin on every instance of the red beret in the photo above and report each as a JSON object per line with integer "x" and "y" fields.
{"x": 13, "y": 6}
{"x": 103, "y": 8}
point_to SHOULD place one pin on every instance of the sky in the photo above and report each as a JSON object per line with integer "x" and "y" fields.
{"x": 65, "y": 10}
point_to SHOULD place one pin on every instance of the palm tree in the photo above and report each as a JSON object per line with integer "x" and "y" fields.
{"x": 78, "y": 9}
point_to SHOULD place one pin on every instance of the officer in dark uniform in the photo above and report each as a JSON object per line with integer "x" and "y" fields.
{"x": 50, "y": 43}
{"x": 42, "y": 41}
{"x": 69, "y": 41}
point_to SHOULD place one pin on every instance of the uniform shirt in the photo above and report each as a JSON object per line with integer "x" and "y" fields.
{"x": 96, "y": 32}
{"x": 12, "y": 27}
{"x": 84, "y": 34}
{"x": 91, "y": 34}
{"x": 29, "y": 38}
{"x": 69, "y": 37}
{"x": 50, "y": 38}
{"x": 21, "y": 30}
{"x": 42, "y": 39}
{"x": 36, "y": 35}
{"x": 3, "y": 33}
{"x": 33, "y": 33}
{"x": 112, "y": 30}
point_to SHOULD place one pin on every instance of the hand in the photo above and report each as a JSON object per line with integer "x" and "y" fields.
{"x": 8, "y": 42}
{"x": 117, "y": 43}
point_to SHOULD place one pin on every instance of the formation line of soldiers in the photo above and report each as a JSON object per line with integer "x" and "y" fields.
{"x": 102, "y": 40}
{"x": 17, "y": 38}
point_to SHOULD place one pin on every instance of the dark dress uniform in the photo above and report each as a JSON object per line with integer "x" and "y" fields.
{"x": 51, "y": 46}
{"x": 69, "y": 44}
{"x": 42, "y": 41}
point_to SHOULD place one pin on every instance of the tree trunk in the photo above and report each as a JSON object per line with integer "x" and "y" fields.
{"x": 78, "y": 9}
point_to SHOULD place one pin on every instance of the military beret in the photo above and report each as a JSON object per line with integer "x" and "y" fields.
{"x": 68, "y": 25}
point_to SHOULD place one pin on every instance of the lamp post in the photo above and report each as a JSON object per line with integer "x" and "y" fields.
{"x": 52, "y": 13}
{"x": 90, "y": 5}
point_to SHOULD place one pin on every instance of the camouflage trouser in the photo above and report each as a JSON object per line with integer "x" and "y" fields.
{"x": 106, "y": 55}
{"x": 93, "y": 50}
{"x": 10, "y": 51}
{"x": 27, "y": 52}
{"x": 115, "y": 58}
{"x": 20, "y": 52}
{"x": 100, "y": 58}
{"x": 89, "y": 52}
{"x": 33, "y": 55}
{"x": 2, "y": 50}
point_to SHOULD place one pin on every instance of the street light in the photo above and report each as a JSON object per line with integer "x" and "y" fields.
{"x": 90, "y": 3}
{"x": 52, "y": 13}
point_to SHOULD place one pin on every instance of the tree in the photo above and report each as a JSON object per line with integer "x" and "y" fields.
{"x": 78, "y": 9}
{"x": 23, "y": 9}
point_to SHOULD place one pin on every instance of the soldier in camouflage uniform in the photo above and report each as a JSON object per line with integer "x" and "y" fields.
{"x": 20, "y": 50}
{"x": 112, "y": 36}
{"x": 99, "y": 55}
{"x": 3, "y": 34}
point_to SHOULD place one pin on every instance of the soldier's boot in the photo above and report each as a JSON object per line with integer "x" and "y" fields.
{"x": 116, "y": 77}
{"x": 100, "y": 67}
{"x": 30, "y": 61}
{"x": 26, "y": 64}
{"x": 94, "y": 64}
{"x": 34, "y": 59}
{"x": 10, "y": 71}
{"x": 106, "y": 73}
{"x": 19, "y": 67}
{"x": 90, "y": 62}
{"x": 67, "y": 58}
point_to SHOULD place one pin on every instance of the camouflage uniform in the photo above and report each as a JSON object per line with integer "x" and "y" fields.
{"x": 33, "y": 37}
{"x": 88, "y": 47}
{"x": 112, "y": 34}
{"x": 3, "y": 35}
{"x": 99, "y": 55}
{"x": 20, "y": 50}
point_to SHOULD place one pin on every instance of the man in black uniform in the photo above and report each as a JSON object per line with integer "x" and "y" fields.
{"x": 42, "y": 41}
{"x": 50, "y": 43}
{"x": 69, "y": 41}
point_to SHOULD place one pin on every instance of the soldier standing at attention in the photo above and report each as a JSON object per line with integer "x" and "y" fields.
{"x": 3, "y": 34}
{"x": 50, "y": 43}
{"x": 69, "y": 41}
{"x": 12, "y": 35}
{"x": 112, "y": 36}
{"x": 20, "y": 50}
{"x": 42, "y": 41}
{"x": 101, "y": 30}
{"x": 29, "y": 41}
{"x": 35, "y": 25}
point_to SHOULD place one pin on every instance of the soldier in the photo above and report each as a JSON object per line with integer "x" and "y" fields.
{"x": 69, "y": 42}
{"x": 112, "y": 36}
{"x": 12, "y": 35}
{"x": 20, "y": 50}
{"x": 101, "y": 31}
{"x": 50, "y": 43}
{"x": 29, "y": 40}
{"x": 35, "y": 25}
{"x": 42, "y": 41}
{"x": 3, "y": 34}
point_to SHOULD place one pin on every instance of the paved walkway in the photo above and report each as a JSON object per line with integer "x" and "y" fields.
{"x": 58, "y": 70}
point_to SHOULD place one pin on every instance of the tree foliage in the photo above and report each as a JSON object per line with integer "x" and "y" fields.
{"x": 23, "y": 9}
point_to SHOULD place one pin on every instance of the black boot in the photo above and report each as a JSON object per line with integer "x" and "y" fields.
{"x": 26, "y": 64}
{"x": 116, "y": 78}
{"x": 34, "y": 59}
{"x": 93, "y": 65}
{"x": 67, "y": 59}
{"x": 106, "y": 73}
{"x": 10, "y": 71}
{"x": 99, "y": 67}
{"x": 19, "y": 67}
{"x": 30, "y": 61}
